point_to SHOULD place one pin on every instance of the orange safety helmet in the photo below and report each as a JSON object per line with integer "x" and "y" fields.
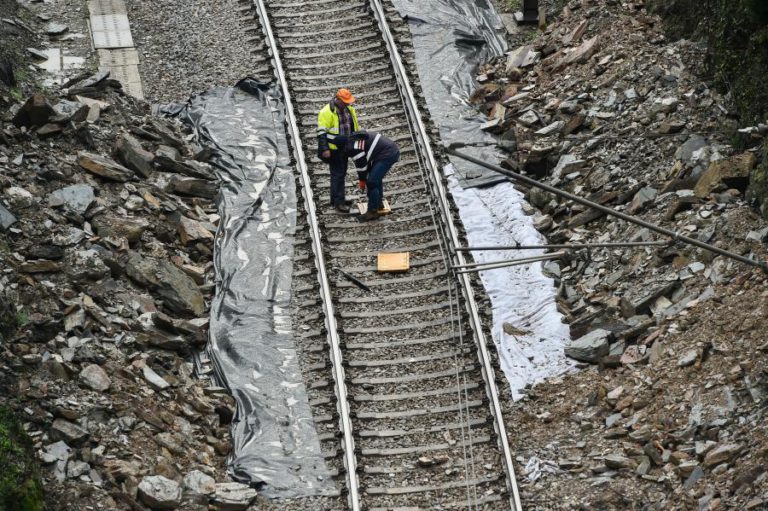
{"x": 345, "y": 96}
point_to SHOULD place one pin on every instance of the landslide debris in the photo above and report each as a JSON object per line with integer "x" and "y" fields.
{"x": 667, "y": 411}
{"x": 106, "y": 281}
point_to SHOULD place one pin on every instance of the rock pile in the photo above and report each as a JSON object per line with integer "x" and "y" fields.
{"x": 667, "y": 411}
{"x": 107, "y": 227}
{"x": 601, "y": 105}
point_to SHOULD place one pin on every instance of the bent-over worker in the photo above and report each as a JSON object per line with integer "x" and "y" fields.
{"x": 336, "y": 119}
{"x": 373, "y": 155}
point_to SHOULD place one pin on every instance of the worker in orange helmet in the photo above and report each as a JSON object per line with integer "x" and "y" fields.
{"x": 337, "y": 119}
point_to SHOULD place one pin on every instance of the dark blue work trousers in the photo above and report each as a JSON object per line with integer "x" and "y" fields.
{"x": 338, "y": 165}
{"x": 375, "y": 182}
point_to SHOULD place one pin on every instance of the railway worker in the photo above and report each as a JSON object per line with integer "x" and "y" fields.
{"x": 337, "y": 119}
{"x": 373, "y": 155}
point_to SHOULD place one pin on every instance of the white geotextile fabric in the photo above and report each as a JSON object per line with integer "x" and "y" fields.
{"x": 520, "y": 295}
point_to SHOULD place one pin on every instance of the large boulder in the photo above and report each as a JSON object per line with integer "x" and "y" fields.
{"x": 159, "y": 492}
{"x": 130, "y": 153}
{"x": 68, "y": 432}
{"x": 591, "y": 347}
{"x": 103, "y": 167}
{"x": 178, "y": 291}
{"x": 199, "y": 483}
{"x": 35, "y": 112}
{"x": 233, "y": 497}
{"x": 76, "y": 198}
{"x": 733, "y": 172}
{"x": 95, "y": 378}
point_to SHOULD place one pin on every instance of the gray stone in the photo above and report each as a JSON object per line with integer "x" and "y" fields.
{"x": 644, "y": 466}
{"x": 529, "y": 118}
{"x": 130, "y": 153}
{"x": 19, "y": 197}
{"x": 155, "y": 380}
{"x": 233, "y": 497}
{"x": 642, "y": 198}
{"x": 632, "y": 306}
{"x": 76, "y": 198}
{"x": 693, "y": 144}
{"x": 77, "y": 468}
{"x": 566, "y": 164}
{"x": 6, "y": 218}
{"x": 200, "y": 483}
{"x": 617, "y": 462}
{"x": 68, "y": 432}
{"x": 159, "y": 492}
{"x": 721, "y": 454}
{"x": 193, "y": 187}
{"x": 84, "y": 266}
{"x": 57, "y": 454}
{"x": 521, "y": 57}
{"x": 95, "y": 378}
{"x": 58, "y": 451}
{"x": 697, "y": 474}
{"x": 113, "y": 226}
{"x": 653, "y": 453}
{"x": 569, "y": 464}
{"x": 688, "y": 359}
{"x": 664, "y": 105}
{"x": 65, "y": 111}
{"x": 591, "y": 347}
{"x": 54, "y": 28}
{"x": 103, "y": 167}
{"x": 543, "y": 223}
{"x": 35, "y": 112}
{"x": 178, "y": 291}
{"x": 760, "y": 236}
{"x": 612, "y": 419}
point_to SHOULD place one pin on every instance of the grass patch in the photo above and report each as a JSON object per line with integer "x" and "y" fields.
{"x": 22, "y": 318}
{"x": 20, "y": 486}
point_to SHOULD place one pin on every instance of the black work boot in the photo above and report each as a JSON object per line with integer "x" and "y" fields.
{"x": 342, "y": 207}
{"x": 371, "y": 215}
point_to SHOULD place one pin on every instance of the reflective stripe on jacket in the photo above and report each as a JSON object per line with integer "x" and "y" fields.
{"x": 328, "y": 126}
{"x": 369, "y": 147}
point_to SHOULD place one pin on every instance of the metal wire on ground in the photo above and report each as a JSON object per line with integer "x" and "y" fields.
{"x": 608, "y": 211}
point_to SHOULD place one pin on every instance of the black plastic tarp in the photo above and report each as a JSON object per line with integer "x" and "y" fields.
{"x": 251, "y": 346}
{"x": 451, "y": 39}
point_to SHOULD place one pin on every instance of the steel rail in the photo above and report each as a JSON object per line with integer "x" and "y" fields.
{"x": 417, "y": 123}
{"x": 609, "y": 211}
{"x": 345, "y": 422}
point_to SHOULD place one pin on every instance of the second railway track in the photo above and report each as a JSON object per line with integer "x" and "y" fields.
{"x": 400, "y": 381}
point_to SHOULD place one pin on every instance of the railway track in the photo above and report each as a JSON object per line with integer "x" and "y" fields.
{"x": 400, "y": 379}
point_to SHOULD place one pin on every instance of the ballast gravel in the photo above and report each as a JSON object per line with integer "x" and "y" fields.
{"x": 186, "y": 48}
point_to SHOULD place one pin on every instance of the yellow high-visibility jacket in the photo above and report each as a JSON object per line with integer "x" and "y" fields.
{"x": 328, "y": 126}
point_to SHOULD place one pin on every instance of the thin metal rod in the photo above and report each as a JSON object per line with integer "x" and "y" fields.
{"x": 568, "y": 245}
{"x": 522, "y": 260}
{"x": 511, "y": 262}
{"x": 342, "y": 401}
{"x": 608, "y": 211}
{"x": 442, "y": 195}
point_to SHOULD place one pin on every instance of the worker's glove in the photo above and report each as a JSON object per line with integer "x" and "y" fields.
{"x": 361, "y": 185}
